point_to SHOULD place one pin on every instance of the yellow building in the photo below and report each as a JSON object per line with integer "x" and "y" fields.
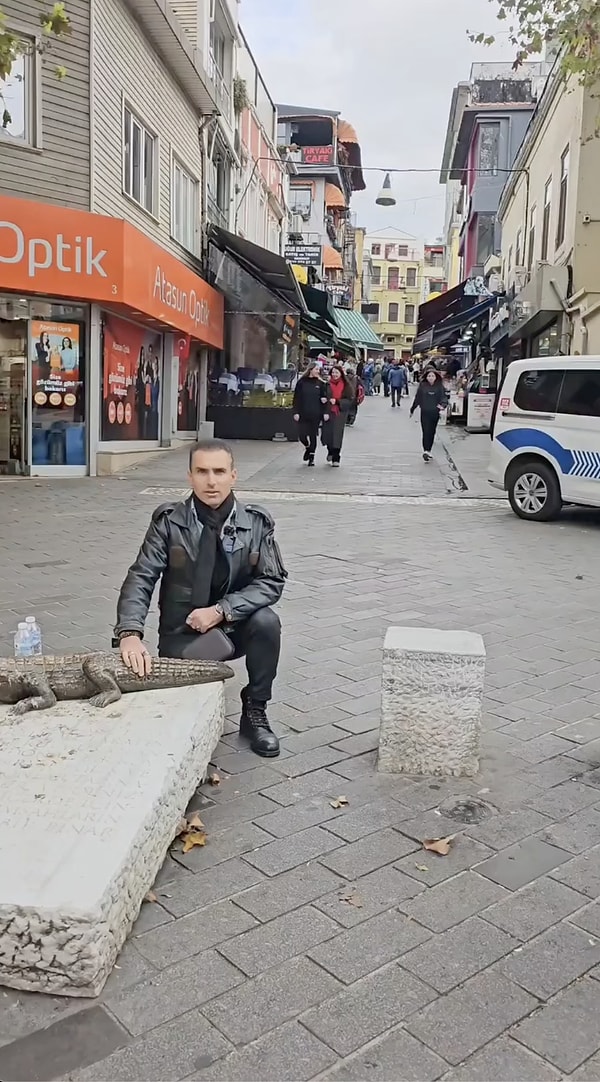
{"x": 396, "y": 287}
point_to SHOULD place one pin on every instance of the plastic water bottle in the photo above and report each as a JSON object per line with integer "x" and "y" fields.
{"x": 23, "y": 641}
{"x": 35, "y": 633}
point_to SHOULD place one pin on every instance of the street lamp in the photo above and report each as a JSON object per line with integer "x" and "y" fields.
{"x": 386, "y": 197}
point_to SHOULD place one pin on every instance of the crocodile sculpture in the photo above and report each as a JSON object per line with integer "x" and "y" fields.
{"x": 40, "y": 682}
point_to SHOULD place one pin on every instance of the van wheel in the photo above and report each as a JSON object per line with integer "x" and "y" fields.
{"x": 534, "y": 491}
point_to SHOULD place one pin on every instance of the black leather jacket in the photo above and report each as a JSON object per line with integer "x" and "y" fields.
{"x": 169, "y": 553}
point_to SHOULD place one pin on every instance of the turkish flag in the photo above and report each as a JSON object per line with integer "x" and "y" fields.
{"x": 183, "y": 346}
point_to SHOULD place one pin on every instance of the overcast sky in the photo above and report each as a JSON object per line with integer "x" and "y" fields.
{"x": 389, "y": 66}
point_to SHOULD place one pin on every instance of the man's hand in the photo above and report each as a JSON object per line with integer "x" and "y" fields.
{"x": 325, "y": 416}
{"x": 135, "y": 656}
{"x": 203, "y": 620}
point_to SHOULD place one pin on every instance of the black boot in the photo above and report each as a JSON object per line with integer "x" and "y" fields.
{"x": 254, "y": 725}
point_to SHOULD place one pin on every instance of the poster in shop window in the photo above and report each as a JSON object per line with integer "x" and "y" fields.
{"x": 55, "y": 360}
{"x": 131, "y": 373}
{"x": 187, "y": 386}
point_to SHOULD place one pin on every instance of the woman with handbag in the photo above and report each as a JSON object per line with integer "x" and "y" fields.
{"x": 310, "y": 409}
{"x": 341, "y": 400}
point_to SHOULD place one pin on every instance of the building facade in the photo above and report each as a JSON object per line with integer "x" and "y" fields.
{"x": 488, "y": 118}
{"x": 327, "y": 158}
{"x": 550, "y": 215}
{"x": 106, "y": 318}
{"x": 397, "y": 278}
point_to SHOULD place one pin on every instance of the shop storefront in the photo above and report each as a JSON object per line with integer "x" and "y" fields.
{"x": 103, "y": 335}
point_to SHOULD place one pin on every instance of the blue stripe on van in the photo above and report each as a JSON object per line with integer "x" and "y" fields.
{"x": 576, "y": 463}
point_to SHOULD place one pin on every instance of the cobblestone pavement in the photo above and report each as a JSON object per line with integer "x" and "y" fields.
{"x": 307, "y": 941}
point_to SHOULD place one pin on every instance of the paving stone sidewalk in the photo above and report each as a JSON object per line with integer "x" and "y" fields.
{"x": 307, "y": 941}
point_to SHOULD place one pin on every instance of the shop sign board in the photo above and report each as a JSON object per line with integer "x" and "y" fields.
{"x": 480, "y": 408}
{"x": 317, "y": 155}
{"x": 498, "y": 325}
{"x": 304, "y": 255}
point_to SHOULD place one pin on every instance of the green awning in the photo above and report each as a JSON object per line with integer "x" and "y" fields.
{"x": 355, "y": 329}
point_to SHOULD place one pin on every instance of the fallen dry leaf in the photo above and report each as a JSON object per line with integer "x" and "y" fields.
{"x": 195, "y": 823}
{"x": 421, "y": 867}
{"x": 340, "y": 802}
{"x": 195, "y": 837}
{"x": 441, "y": 846}
{"x": 214, "y": 779}
{"x": 353, "y": 898}
{"x": 151, "y": 897}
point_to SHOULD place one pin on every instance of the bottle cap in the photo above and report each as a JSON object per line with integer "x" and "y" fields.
{"x": 30, "y": 620}
{"x": 21, "y": 625}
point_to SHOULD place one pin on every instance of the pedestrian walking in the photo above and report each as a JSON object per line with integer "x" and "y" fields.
{"x": 220, "y": 572}
{"x": 354, "y": 384}
{"x": 431, "y": 398}
{"x": 398, "y": 383}
{"x": 341, "y": 400}
{"x": 367, "y": 377}
{"x": 385, "y": 378}
{"x": 416, "y": 372}
{"x": 310, "y": 401}
{"x": 377, "y": 378}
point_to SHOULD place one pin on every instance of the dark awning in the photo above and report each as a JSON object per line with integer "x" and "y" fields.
{"x": 319, "y": 302}
{"x": 448, "y": 329}
{"x": 269, "y": 268}
{"x": 438, "y": 309}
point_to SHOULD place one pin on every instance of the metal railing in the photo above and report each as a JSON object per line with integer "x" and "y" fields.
{"x": 223, "y": 91}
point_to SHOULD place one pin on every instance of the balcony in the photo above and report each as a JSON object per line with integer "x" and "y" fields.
{"x": 215, "y": 214}
{"x": 222, "y": 91}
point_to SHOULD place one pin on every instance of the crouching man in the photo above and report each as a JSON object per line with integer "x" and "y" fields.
{"x": 219, "y": 567}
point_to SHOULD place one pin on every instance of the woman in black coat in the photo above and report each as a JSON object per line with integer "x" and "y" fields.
{"x": 310, "y": 406}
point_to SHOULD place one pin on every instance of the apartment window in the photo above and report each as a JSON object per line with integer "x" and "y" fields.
{"x": 562, "y": 198}
{"x": 546, "y": 219}
{"x": 393, "y": 278}
{"x": 409, "y": 313}
{"x": 509, "y": 263}
{"x": 17, "y": 99}
{"x": 376, "y": 276}
{"x": 531, "y": 238}
{"x": 392, "y": 313}
{"x": 411, "y": 277}
{"x": 301, "y": 201}
{"x": 184, "y": 207}
{"x": 519, "y": 249}
{"x": 139, "y": 161}
{"x": 375, "y": 249}
{"x": 217, "y": 47}
{"x": 390, "y": 251}
{"x": 403, "y": 251}
{"x": 489, "y": 143}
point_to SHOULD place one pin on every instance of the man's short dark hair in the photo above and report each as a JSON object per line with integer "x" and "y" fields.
{"x": 210, "y": 446}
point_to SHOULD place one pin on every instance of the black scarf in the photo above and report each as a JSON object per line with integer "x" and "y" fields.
{"x": 211, "y": 574}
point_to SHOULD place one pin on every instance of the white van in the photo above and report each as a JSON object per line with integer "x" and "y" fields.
{"x": 546, "y": 435}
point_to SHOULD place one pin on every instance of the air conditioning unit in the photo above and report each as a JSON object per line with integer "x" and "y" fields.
{"x": 297, "y": 223}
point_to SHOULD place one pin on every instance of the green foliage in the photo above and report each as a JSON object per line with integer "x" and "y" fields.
{"x": 571, "y": 26}
{"x": 54, "y": 23}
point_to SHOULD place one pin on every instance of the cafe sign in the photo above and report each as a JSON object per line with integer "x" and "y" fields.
{"x": 317, "y": 155}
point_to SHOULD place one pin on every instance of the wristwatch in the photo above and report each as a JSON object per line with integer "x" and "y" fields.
{"x": 223, "y": 611}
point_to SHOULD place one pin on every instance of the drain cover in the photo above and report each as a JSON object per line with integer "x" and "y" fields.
{"x": 467, "y": 811}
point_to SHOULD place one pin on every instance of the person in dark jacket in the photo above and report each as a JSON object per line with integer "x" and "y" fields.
{"x": 219, "y": 567}
{"x": 385, "y": 378}
{"x": 398, "y": 383}
{"x": 310, "y": 409}
{"x": 432, "y": 400}
{"x": 341, "y": 401}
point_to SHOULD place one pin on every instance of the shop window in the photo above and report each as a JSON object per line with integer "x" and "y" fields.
{"x": 537, "y": 391}
{"x": 562, "y": 198}
{"x": 131, "y": 381}
{"x": 184, "y": 207}
{"x": 546, "y": 219}
{"x": 392, "y": 313}
{"x": 58, "y": 393}
{"x": 375, "y": 249}
{"x": 580, "y": 394}
{"x": 139, "y": 161}
{"x": 409, "y": 313}
{"x": 531, "y": 238}
{"x": 411, "y": 277}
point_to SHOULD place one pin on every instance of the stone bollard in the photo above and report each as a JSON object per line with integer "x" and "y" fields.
{"x": 432, "y": 698}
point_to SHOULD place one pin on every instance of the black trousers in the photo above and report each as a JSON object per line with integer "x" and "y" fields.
{"x": 309, "y": 432}
{"x": 429, "y": 423}
{"x": 258, "y": 639}
{"x": 396, "y": 396}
